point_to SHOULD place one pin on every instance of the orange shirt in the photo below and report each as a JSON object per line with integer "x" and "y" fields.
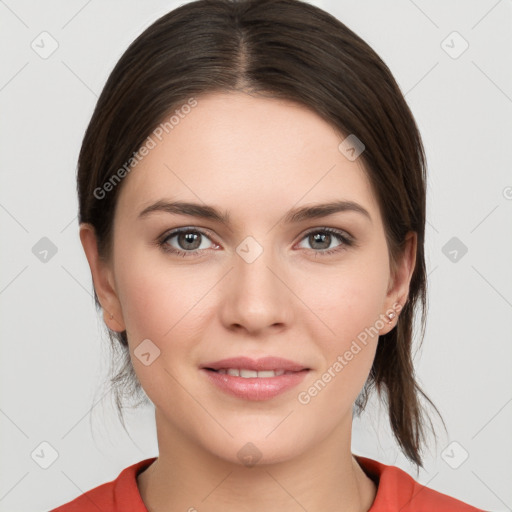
{"x": 396, "y": 491}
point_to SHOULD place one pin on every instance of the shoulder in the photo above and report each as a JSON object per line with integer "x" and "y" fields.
{"x": 397, "y": 490}
{"x": 120, "y": 494}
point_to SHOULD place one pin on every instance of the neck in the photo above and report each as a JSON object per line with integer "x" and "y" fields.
{"x": 187, "y": 477}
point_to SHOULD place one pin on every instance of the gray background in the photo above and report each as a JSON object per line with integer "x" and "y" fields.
{"x": 54, "y": 353}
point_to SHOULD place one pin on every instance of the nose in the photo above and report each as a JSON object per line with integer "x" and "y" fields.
{"x": 256, "y": 296}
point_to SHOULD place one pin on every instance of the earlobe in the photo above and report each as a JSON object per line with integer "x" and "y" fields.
{"x": 103, "y": 279}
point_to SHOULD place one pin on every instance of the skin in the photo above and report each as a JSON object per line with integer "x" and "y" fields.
{"x": 255, "y": 158}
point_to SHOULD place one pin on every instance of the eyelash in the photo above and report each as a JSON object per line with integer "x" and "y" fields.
{"x": 345, "y": 239}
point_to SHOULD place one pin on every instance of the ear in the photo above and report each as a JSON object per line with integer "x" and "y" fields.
{"x": 398, "y": 289}
{"x": 103, "y": 279}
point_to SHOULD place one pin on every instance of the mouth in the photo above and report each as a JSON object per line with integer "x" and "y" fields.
{"x": 252, "y": 374}
{"x": 246, "y": 364}
{"x": 254, "y": 380}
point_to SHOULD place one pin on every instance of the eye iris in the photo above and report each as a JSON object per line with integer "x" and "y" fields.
{"x": 189, "y": 238}
{"x": 322, "y": 237}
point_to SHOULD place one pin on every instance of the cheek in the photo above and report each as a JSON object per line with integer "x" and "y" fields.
{"x": 348, "y": 356}
{"x": 153, "y": 295}
{"x": 160, "y": 306}
{"x": 347, "y": 300}
{"x": 347, "y": 307}
{"x": 156, "y": 304}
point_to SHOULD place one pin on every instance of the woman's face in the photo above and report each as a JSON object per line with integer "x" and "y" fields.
{"x": 261, "y": 284}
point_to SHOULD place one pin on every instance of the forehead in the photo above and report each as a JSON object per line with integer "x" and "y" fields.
{"x": 241, "y": 151}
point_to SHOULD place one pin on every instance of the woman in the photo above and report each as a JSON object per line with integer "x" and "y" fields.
{"x": 252, "y": 207}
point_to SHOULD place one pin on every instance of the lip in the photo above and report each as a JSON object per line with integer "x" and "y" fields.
{"x": 255, "y": 388}
{"x": 264, "y": 363}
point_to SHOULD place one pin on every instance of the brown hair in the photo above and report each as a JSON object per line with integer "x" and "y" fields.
{"x": 284, "y": 49}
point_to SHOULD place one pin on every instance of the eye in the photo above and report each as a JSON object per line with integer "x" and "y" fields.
{"x": 192, "y": 242}
{"x": 320, "y": 240}
{"x": 185, "y": 242}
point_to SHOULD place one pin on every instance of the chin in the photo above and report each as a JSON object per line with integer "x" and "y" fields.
{"x": 256, "y": 450}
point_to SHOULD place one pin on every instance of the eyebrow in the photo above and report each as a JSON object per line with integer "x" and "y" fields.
{"x": 293, "y": 216}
